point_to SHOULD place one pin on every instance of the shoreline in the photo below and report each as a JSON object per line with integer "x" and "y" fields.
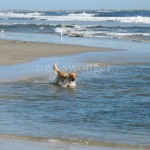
{"x": 16, "y": 52}
{"x": 44, "y": 142}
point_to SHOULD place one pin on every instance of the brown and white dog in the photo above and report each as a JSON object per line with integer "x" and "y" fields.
{"x": 65, "y": 79}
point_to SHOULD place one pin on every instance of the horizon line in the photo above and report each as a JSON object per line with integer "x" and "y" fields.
{"x": 71, "y": 9}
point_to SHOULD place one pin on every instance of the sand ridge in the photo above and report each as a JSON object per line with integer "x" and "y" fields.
{"x": 16, "y": 52}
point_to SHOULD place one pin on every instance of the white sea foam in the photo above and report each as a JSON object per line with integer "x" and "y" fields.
{"x": 138, "y": 19}
{"x": 63, "y": 30}
{"x": 128, "y": 34}
{"x": 79, "y": 31}
{"x": 36, "y": 14}
{"x": 74, "y": 17}
{"x": 81, "y": 15}
{"x": 20, "y": 15}
{"x": 41, "y": 28}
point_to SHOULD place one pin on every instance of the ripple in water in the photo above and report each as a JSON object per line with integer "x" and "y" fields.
{"x": 109, "y": 106}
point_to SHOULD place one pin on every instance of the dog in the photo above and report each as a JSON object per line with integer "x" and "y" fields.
{"x": 65, "y": 79}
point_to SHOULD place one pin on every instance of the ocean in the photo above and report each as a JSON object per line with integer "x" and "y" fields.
{"x": 124, "y": 24}
{"x": 111, "y": 104}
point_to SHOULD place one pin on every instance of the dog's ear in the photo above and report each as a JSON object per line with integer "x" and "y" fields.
{"x": 75, "y": 75}
{"x": 72, "y": 75}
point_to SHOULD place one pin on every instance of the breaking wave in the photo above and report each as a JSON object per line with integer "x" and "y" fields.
{"x": 74, "y": 17}
{"x": 73, "y": 30}
{"x": 125, "y": 24}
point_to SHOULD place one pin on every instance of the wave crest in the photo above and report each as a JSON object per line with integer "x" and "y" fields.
{"x": 74, "y": 17}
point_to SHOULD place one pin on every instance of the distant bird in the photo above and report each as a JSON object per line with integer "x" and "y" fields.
{"x": 2, "y": 33}
{"x": 61, "y": 37}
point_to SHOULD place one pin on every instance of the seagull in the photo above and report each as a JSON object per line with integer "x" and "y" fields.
{"x": 61, "y": 37}
{"x": 2, "y": 31}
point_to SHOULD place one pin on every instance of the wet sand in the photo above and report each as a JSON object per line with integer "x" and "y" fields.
{"x": 16, "y": 52}
{"x": 24, "y": 143}
{"x": 11, "y": 144}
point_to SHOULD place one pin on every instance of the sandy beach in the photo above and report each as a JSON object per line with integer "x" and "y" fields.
{"x": 15, "y": 52}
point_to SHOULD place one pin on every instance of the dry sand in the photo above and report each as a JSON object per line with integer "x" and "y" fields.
{"x": 15, "y": 52}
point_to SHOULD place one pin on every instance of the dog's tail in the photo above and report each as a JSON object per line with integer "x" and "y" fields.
{"x": 55, "y": 68}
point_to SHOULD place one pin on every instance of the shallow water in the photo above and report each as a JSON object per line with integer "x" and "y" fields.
{"x": 107, "y": 106}
{"x": 86, "y": 41}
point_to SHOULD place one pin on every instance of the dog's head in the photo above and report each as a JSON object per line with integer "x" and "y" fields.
{"x": 72, "y": 76}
